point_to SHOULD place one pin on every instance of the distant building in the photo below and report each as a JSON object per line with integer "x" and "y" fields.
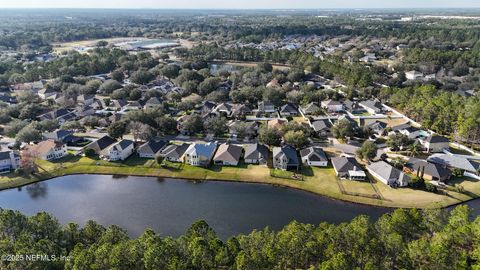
{"x": 332, "y": 105}
{"x": 413, "y": 75}
{"x": 9, "y": 161}
{"x": 435, "y": 143}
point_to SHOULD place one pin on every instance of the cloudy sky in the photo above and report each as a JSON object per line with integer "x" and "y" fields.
{"x": 243, "y": 4}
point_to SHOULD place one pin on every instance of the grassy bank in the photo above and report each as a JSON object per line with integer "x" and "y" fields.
{"x": 321, "y": 181}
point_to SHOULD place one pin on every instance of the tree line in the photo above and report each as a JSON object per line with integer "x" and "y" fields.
{"x": 402, "y": 239}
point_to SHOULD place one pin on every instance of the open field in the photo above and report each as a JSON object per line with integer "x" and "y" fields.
{"x": 321, "y": 181}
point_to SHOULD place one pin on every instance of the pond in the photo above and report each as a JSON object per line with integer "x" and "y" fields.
{"x": 170, "y": 206}
{"x": 216, "y": 68}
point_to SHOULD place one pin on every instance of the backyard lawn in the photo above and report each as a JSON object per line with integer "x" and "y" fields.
{"x": 316, "y": 180}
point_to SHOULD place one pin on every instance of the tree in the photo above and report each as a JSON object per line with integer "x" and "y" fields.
{"x": 117, "y": 129}
{"x": 415, "y": 148}
{"x": 270, "y": 136}
{"x": 108, "y": 86}
{"x": 398, "y": 141}
{"x": 343, "y": 129}
{"x": 117, "y": 75}
{"x": 170, "y": 71}
{"x": 216, "y": 125}
{"x": 142, "y": 76}
{"x": 139, "y": 130}
{"x": 367, "y": 151}
{"x": 193, "y": 124}
{"x": 296, "y": 139}
{"x": 28, "y": 134}
{"x": 208, "y": 85}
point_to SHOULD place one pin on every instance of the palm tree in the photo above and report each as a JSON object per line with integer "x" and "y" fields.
{"x": 415, "y": 149}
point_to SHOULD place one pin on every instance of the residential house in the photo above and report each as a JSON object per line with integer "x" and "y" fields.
{"x": 285, "y": 158}
{"x": 101, "y": 144}
{"x": 266, "y": 107}
{"x": 353, "y": 107}
{"x": 153, "y": 102}
{"x": 427, "y": 170}
{"x": 288, "y": 110}
{"x": 9, "y": 161}
{"x": 332, "y": 106}
{"x": 199, "y": 154}
{"x": 322, "y": 127}
{"x": 47, "y": 150}
{"x": 151, "y": 148}
{"x": 372, "y": 106}
{"x": 250, "y": 128}
{"x": 411, "y": 132}
{"x": 228, "y": 154}
{"x": 57, "y": 135}
{"x": 377, "y": 127}
{"x": 469, "y": 168}
{"x": 61, "y": 115}
{"x": 413, "y": 75}
{"x": 435, "y": 143}
{"x": 240, "y": 110}
{"x": 348, "y": 168}
{"x": 388, "y": 174}
{"x": 86, "y": 99}
{"x": 368, "y": 58}
{"x": 276, "y": 123}
{"x": 119, "y": 151}
{"x": 273, "y": 84}
{"x": 256, "y": 153}
{"x": 311, "y": 109}
{"x": 47, "y": 93}
{"x": 314, "y": 156}
{"x": 224, "y": 108}
{"x": 174, "y": 152}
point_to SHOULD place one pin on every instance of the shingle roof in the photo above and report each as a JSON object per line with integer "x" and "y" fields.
{"x": 228, "y": 152}
{"x": 435, "y": 170}
{"x": 345, "y": 164}
{"x": 152, "y": 145}
{"x": 101, "y": 143}
{"x": 454, "y": 162}
{"x": 320, "y": 125}
{"x": 174, "y": 151}
{"x": 287, "y": 151}
{"x": 314, "y": 154}
{"x": 256, "y": 151}
{"x": 437, "y": 139}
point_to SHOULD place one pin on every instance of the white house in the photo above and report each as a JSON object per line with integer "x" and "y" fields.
{"x": 413, "y": 75}
{"x": 119, "y": 151}
{"x": 314, "y": 156}
{"x": 9, "y": 161}
{"x": 199, "y": 154}
{"x": 435, "y": 143}
{"x": 332, "y": 105}
{"x": 47, "y": 150}
{"x": 387, "y": 174}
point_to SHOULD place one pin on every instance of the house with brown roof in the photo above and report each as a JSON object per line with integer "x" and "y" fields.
{"x": 48, "y": 149}
{"x": 228, "y": 154}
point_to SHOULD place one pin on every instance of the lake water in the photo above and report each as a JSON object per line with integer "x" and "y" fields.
{"x": 170, "y": 206}
{"x": 215, "y": 68}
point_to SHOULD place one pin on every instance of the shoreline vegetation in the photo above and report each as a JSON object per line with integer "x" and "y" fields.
{"x": 320, "y": 181}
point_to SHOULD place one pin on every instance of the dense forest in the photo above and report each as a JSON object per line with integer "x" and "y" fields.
{"x": 403, "y": 239}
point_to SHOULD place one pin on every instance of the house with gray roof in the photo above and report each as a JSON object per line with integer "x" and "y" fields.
{"x": 311, "y": 109}
{"x": 288, "y": 110}
{"x": 322, "y": 127}
{"x": 427, "y": 170}
{"x": 377, "y": 127}
{"x": 285, "y": 158}
{"x": 119, "y": 151}
{"x": 199, "y": 154}
{"x": 174, "y": 152}
{"x": 388, "y": 174}
{"x": 348, "y": 168}
{"x": 228, "y": 154}
{"x": 435, "y": 143}
{"x": 9, "y": 161}
{"x": 151, "y": 148}
{"x": 372, "y": 106}
{"x": 470, "y": 168}
{"x": 314, "y": 156}
{"x": 256, "y": 153}
{"x": 101, "y": 144}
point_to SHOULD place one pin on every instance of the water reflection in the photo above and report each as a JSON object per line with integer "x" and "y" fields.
{"x": 37, "y": 190}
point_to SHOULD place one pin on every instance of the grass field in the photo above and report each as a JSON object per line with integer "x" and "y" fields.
{"x": 321, "y": 181}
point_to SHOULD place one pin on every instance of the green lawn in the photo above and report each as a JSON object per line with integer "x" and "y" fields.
{"x": 317, "y": 180}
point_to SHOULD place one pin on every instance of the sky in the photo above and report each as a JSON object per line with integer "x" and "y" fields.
{"x": 239, "y": 4}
